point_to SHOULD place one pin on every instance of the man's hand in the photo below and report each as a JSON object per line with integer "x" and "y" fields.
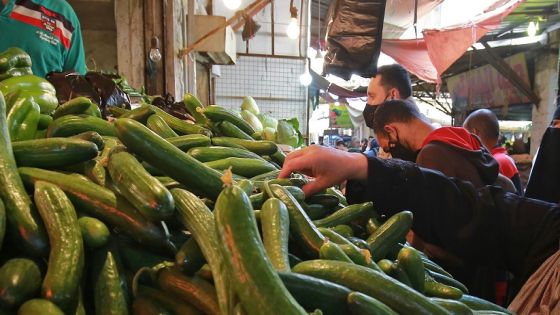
{"x": 327, "y": 165}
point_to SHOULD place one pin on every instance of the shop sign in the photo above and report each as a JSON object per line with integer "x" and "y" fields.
{"x": 486, "y": 87}
{"x": 339, "y": 116}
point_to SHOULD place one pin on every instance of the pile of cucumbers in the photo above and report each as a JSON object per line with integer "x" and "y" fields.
{"x": 145, "y": 213}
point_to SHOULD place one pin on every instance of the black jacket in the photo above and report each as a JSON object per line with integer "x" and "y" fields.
{"x": 484, "y": 226}
{"x": 544, "y": 182}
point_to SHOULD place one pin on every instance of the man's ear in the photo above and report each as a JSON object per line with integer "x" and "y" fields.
{"x": 394, "y": 94}
{"x": 390, "y": 130}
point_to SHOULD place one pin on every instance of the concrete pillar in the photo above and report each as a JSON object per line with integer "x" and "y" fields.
{"x": 546, "y": 87}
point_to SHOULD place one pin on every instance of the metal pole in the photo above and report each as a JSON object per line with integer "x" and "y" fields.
{"x": 190, "y": 59}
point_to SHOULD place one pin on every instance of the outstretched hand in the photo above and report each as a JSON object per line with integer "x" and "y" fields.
{"x": 328, "y": 166}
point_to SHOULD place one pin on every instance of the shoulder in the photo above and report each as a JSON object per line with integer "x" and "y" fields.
{"x": 434, "y": 155}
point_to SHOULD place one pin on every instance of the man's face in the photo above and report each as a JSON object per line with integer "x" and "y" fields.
{"x": 383, "y": 141}
{"x": 377, "y": 93}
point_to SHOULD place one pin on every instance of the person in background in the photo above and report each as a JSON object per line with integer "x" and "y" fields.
{"x": 544, "y": 181}
{"x": 364, "y": 145}
{"x": 340, "y": 145}
{"x": 373, "y": 148}
{"x": 485, "y": 125}
{"x": 485, "y": 225}
{"x": 48, "y": 30}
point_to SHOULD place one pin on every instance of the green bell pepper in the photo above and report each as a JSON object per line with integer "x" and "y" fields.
{"x": 30, "y": 85}
{"x": 14, "y": 62}
{"x": 23, "y": 119}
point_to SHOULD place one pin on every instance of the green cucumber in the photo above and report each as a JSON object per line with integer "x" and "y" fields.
{"x": 315, "y": 212}
{"x": 332, "y": 251}
{"x": 66, "y": 259}
{"x": 53, "y": 152}
{"x": 139, "y": 114}
{"x": 301, "y": 227}
{"x": 220, "y": 114}
{"x": 20, "y": 280}
{"x": 390, "y": 233}
{"x": 338, "y": 194}
{"x": 159, "y": 126}
{"x": 242, "y": 166}
{"x": 362, "y": 244}
{"x": 275, "y": 226}
{"x": 278, "y": 157}
{"x": 328, "y": 201}
{"x": 372, "y": 225}
{"x": 256, "y": 283}
{"x": 448, "y": 281}
{"x": 74, "y": 106}
{"x": 411, "y": 262}
{"x": 141, "y": 189}
{"x": 361, "y": 304}
{"x": 166, "y": 157}
{"x": 2, "y": 222}
{"x": 257, "y": 200}
{"x": 399, "y": 274}
{"x": 174, "y": 305}
{"x": 346, "y": 215}
{"x": 193, "y": 290}
{"x": 39, "y": 306}
{"x": 93, "y": 110}
{"x": 313, "y": 293}
{"x": 296, "y": 192}
{"x": 246, "y": 185}
{"x": 135, "y": 256}
{"x": 94, "y": 232}
{"x": 344, "y": 230}
{"x": 95, "y": 169}
{"x": 357, "y": 255}
{"x": 453, "y": 306}
{"x": 267, "y": 176}
{"x": 228, "y": 129}
{"x": 440, "y": 290}
{"x": 478, "y": 304}
{"x": 103, "y": 204}
{"x": 110, "y": 291}
{"x": 144, "y": 305}
{"x": 44, "y": 121}
{"x": 117, "y": 111}
{"x": 187, "y": 142}
{"x": 40, "y": 134}
{"x": 71, "y": 125}
{"x": 397, "y": 296}
{"x": 180, "y": 126}
{"x": 386, "y": 266}
{"x": 195, "y": 108}
{"x": 432, "y": 266}
{"x": 189, "y": 257}
{"x": 199, "y": 220}
{"x": 208, "y": 154}
{"x": 258, "y": 147}
{"x": 91, "y": 136}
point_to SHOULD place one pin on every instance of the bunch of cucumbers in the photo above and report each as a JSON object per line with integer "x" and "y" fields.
{"x": 145, "y": 213}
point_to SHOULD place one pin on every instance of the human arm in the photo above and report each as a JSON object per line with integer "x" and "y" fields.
{"x": 75, "y": 56}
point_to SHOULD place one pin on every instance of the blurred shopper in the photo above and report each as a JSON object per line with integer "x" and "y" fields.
{"x": 364, "y": 145}
{"x": 340, "y": 145}
{"x": 544, "y": 181}
{"x": 48, "y": 30}
{"x": 485, "y": 125}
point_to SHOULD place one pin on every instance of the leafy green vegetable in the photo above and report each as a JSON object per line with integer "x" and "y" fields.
{"x": 250, "y": 105}
{"x": 252, "y": 120}
{"x": 288, "y": 133}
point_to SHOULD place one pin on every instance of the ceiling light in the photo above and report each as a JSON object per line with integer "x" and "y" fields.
{"x": 305, "y": 79}
{"x": 232, "y": 4}
{"x": 532, "y": 28}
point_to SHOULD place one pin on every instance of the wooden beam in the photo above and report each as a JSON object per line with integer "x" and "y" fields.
{"x": 94, "y": 15}
{"x": 507, "y": 72}
{"x": 130, "y": 40}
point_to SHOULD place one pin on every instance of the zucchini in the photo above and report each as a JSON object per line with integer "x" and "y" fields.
{"x": 199, "y": 220}
{"x": 71, "y": 125}
{"x": 301, "y": 227}
{"x": 144, "y": 305}
{"x": 147, "y": 194}
{"x": 66, "y": 258}
{"x": 220, "y": 114}
{"x": 313, "y": 293}
{"x": 176, "y": 306}
{"x": 256, "y": 283}
{"x": 453, "y": 306}
{"x": 189, "y": 257}
{"x": 361, "y": 304}
{"x": 94, "y": 232}
{"x": 411, "y": 262}
{"x": 346, "y": 215}
{"x": 139, "y": 114}
{"x": 92, "y": 136}
{"x": 23, "y": 220}
{"x": 395, "y": 295}
{"x": 159, "y": 126}
{"x": 20, "y": 280}
{"x": 275, "y": 226}
{"x": 208, "y": 154}
{"x": 195, "y": 108}
{"x": 53, "y": 152}
{"x": 228, "y": 129}
{"x": 166, "y": 157}
{"x": 390, "y": 233}
{"x": 259, "y": 147}
{"x": 242, "y": 166}
{"x": 478, "y": 304}
{"x": 187, "y": 142}
{"x": 110, "y": 292}
{"x": 179, "y": 125}
{"x": 193, "y": 290}
{"x": 75, "y": 106}
{"x": 39, "y": 306}
{"x": 103, "y": 204}
{"x": 332, "y": 251}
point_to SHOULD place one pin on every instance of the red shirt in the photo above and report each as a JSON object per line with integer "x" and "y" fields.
{"x": 507, "y": 165}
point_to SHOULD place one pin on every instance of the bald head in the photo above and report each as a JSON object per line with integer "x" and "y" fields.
{"x": 484, "y": 124}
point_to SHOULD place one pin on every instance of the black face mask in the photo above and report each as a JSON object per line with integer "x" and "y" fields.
{"x": 399, "y": 151}
{"x": 369, "y": 112}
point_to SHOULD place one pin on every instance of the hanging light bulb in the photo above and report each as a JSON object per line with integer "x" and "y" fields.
{"x": 293, "y": 28}
{"x": 532, "y": 29}
{"x": 305, "y": 79}
{"x": 155, "y": 54}
{"x": 232, "y": 4}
